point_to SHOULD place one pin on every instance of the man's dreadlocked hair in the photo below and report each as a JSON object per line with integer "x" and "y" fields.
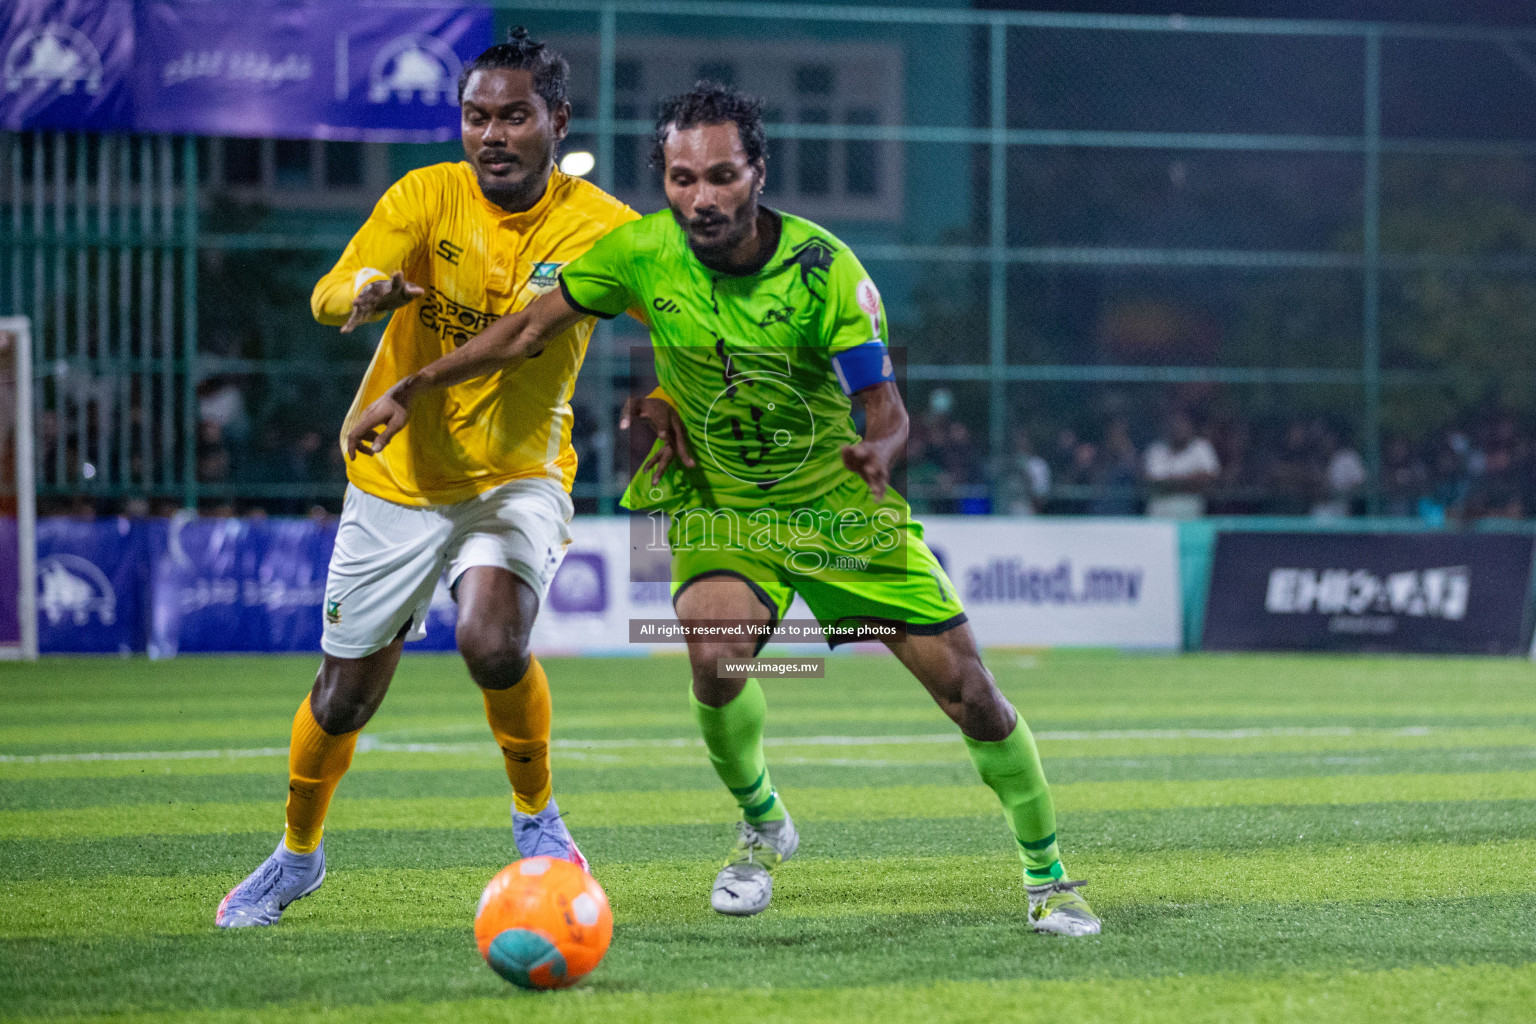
{"x": 713, "y": 103}
{"x": 520, "y": 53}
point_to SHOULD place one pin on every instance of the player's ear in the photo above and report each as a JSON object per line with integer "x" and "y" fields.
{"x": 561, "y": 119}
{"x": 760, "y": 167}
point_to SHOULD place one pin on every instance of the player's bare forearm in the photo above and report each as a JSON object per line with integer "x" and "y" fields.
{"x": 505, "y": 345}
{"x": 885, "y": 434}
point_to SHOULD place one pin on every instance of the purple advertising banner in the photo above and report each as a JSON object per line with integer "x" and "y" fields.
{"x": 239, "y": 585}
{"x": 92, "y": 577}
{"x": 304, "y": 70}
{"x": 10, "y": 582}
{"x": 67, "y": 64}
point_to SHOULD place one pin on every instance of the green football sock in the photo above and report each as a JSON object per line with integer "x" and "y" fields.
{"x": 733, "y": 735}
{"x": 1012, "y": 768}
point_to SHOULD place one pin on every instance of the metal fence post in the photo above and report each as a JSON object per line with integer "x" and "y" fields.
{"x": 997, "y": 240}
{"x": 1371, "y": 315}
{"x": 189, "y": 224}
{"x": 602, "y": 335}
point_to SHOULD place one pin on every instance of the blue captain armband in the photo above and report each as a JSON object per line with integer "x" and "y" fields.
{"x": 862, "y": 366}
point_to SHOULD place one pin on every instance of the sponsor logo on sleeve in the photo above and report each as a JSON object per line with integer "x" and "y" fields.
{"x": 869, "y": 301}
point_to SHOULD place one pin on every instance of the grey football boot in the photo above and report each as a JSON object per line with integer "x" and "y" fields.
{"x": 1057, "y": 908}
{"x": 745, "y": 885}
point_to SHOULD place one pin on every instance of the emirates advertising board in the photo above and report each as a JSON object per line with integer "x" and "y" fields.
{"x": 1427, "y": 593}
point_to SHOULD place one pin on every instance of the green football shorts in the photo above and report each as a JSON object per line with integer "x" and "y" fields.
{"x": 852, "y": 558}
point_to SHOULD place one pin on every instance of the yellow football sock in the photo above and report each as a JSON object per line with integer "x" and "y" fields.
{"x": 519, "y": 717}
{"x": 316, "y": 762}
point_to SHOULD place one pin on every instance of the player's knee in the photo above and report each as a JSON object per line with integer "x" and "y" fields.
{"x": 982, "y": 712}
{"x": 708, "y": 685}
{"x": 340, "y": 709}
{"x": 497, "y": 657}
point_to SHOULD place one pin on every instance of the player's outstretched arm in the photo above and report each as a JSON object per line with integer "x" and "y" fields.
{"x": 662, "y": 415}
{"x": 885, "y": 432}
{"x": 502, "y": 346}
{"x": 381, "y": 297}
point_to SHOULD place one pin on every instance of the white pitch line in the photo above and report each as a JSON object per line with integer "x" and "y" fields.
{"x": 368, "y": 745}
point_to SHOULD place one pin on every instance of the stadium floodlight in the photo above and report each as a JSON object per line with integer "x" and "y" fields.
{"x": 18, "y": 496}
{"x": 578, "y": 164}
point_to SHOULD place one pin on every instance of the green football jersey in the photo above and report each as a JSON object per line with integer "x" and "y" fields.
{"x": 747, "y": 359}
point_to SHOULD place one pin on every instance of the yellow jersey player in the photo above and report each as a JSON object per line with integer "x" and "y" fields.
{"x": 480, "y": 483}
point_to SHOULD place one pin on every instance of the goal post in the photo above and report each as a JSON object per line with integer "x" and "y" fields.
{"x": 18, "y": 494}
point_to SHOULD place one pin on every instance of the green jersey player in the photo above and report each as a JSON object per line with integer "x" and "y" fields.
{"x": 763, "y": 327}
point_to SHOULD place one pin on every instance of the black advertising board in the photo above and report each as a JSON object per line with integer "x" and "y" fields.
{"x": 1429, "y": 593}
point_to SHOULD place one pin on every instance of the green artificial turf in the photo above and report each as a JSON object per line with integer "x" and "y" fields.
{"x": 1267, "y": 839}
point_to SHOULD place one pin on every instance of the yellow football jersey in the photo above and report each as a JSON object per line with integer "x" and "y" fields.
{"x": 477, "y": 262}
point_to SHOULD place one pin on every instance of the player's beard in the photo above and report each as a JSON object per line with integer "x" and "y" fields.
{"x": 519, "y": 194}
{"x": 716, "y": 252}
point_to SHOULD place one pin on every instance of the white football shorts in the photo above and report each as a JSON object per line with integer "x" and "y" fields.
{"x": 388, "y": 557}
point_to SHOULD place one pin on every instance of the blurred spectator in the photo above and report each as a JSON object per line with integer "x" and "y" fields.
{"x": 1404, "y": 478}
{"x": 1343, "y": 475}
{"x": 1180, "y": 466}
{"x": 922, "y": 473}
{"x": 1064, "y": 458}
{"x": 1295, "y": 472}
{"x": 1024, "y": 479}
{"x": 221, "y": 408}
{"x": 212, "y": 456}
{"x": 1116, "y": 472}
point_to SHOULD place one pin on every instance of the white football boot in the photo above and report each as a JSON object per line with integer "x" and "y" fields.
{"x": 745, "y": 885}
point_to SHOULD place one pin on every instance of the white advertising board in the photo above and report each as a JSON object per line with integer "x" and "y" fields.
{"x": 1025, "y": 582}
{"x": 1031, "y": 582}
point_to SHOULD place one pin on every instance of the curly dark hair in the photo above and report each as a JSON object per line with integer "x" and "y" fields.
{"x": 712, "y": 103}
{"x": 520, "y": 53}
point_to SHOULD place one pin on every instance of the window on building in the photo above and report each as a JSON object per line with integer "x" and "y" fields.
{"x": 814, "y": 79}
{"x": 717, "y": 71}
{"x": 778, "y": 149}
{"x": 627, "y": 75}
{"x": 627, "y": 150}
{"x": 292, "y": 163}
{"x": 814, "y": 167}
{"x": 343, "y": 164}
{"x": 861, "y": 166}
{"x": 800, "y": 82}
{"x": 242, "y": 161}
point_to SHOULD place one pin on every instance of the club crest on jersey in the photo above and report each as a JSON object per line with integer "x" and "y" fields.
{"x": 814, "y": 261}
{"x": 545, "y": 275}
